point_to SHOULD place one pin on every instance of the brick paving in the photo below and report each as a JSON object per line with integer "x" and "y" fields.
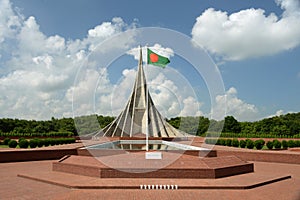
{"x": 14, "y": 187}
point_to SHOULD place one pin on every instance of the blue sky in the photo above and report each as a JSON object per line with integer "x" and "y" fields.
{"x": 255, "y": 45}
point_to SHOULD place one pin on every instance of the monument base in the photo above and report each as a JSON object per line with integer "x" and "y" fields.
{"x": 135, "y": 165}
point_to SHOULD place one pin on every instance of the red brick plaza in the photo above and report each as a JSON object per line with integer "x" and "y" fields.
{"x": 276, "y": 176}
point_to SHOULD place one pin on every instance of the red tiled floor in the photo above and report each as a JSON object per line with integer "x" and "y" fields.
{"x": 13, "y": 187}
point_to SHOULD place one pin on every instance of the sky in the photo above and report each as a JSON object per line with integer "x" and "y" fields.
{"x": 63, "y": 58}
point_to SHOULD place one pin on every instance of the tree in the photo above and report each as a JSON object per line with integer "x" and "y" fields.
{"x": 231, "y": 125}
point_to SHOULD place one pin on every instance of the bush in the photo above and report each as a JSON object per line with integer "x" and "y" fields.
{"x": 297, "y": 143}
{"x": 23, "y": 144}
{"x": 20, "y": 139}
{"x": 33, "y": 143}
{"x": 291, "y": 143}
{"x": 229, "y": 142}
{"x": 6, "y": 141}
{"x": 250, "y": 144}
{"x": 277, "y": 144}
{"x": 46, "y": 142}
{"x": 242, "y": 143}
{"x": 259, "y": 144}
{"x": 284, "y": 144}
{"x": 12, "y": 144}
{"x": 40, "y": 142}
{"x": 210, "y": 141}
{"x": 235, "y": 143}
{"x": 270, "y": 145}
{"x": 222, "y": 142}
{"x": 52, "y": 141}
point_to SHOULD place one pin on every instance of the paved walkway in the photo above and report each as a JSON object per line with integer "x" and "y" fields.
{"x": 14, "y": 187}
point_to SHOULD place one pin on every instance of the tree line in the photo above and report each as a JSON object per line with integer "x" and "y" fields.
{"x": 78, "y": 125}
{"x": 279, "y": 126}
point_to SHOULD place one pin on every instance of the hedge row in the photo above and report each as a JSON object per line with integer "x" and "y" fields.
{"x": 250, "y": 144}
{"x": 37, "y": 142}
{"x": 50, "y": 134}
{"x": 250, "y": 135}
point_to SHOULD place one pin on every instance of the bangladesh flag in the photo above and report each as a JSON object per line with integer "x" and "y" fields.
{"x": 157, "y": 60}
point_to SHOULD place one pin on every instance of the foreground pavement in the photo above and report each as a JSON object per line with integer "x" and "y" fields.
{"x": 14, "y": 187}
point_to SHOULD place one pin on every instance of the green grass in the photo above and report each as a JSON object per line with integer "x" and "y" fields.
{"x": 3, "y": 146}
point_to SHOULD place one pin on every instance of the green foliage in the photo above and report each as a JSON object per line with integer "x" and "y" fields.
{"x": 277, "y": 144}
{"x": 284, "y": 126}
{"x": 297, "y": 143}
{"x": 284, "y": 144}
{"x": 231, "y": 125}
{"x": 12, "y": 144}
{"x": 33, "y": 143}
{"x": 40, "y": 142}
{"x": 192, "y": 125}
{"x": 291, "y": 144}
{"x": 270, "y": 145}
{"x": 23, "y": 144}
{"x": 235, "y": 143}
{"x": 229, "y": 142}
{"x": 222, "y": 142}
{"x": 249, "y": 144}
{"x": 6, "y": 141}
{"x": 20, "y": 139}
{"x": 259, "y": 144}
{"x": 211, "y": 141}
{"x": 242, "y": 143}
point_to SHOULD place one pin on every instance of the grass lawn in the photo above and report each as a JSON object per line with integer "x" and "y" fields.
{"x": 3, "y": 146}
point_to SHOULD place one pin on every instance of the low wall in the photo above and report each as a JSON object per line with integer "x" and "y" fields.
{"x": 33, "y": 155}
{"x": 262, "y": 156}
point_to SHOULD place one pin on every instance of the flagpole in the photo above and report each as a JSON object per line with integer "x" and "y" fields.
{"x": 147, "y": 119}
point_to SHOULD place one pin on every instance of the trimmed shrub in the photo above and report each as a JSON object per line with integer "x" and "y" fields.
{"x": 284, "y": 144}
{"x": 242, "y": 143}
{"x": 259, "y": 144}
{"x": 222, "y": 142}
{"x": 270, "y": 145}
{"x": 277, "y": 144}
{"x": 46, "y": 142}
{"x": 235, "y": 143}
{"x": 250, "y": 144}
{"x": 297, "y": 143}
{"x": 208, "y": 141}
{"x": 229, "y": 142}
{"x": 23, "y": 144}
{"x": 20, "y": 139}
{"x": 52, "y": 141}
{"x": 6, "y": 141}
{"x": 33, "y": 143}
{"x": 291, "y": 143}
{"x": 12, "y": 144}
{"x": 40, "y": 142}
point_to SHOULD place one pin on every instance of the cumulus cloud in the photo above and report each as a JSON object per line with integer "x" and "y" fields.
{"x": 37, "y": 71}
{"x": 234, "y": 106}
{"x": 248, "y": 33}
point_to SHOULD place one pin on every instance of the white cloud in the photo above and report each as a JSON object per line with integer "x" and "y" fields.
{"x": 234, "y": 106}
{"x": 37, "y": 71}
{"x": 248, "y": 33}
{"x": 157, "y": 48}
{"x": 279, "y": 113}
{"x": 9, "y": 22}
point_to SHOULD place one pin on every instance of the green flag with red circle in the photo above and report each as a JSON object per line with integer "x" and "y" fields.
{"x": 156, "y": 59}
